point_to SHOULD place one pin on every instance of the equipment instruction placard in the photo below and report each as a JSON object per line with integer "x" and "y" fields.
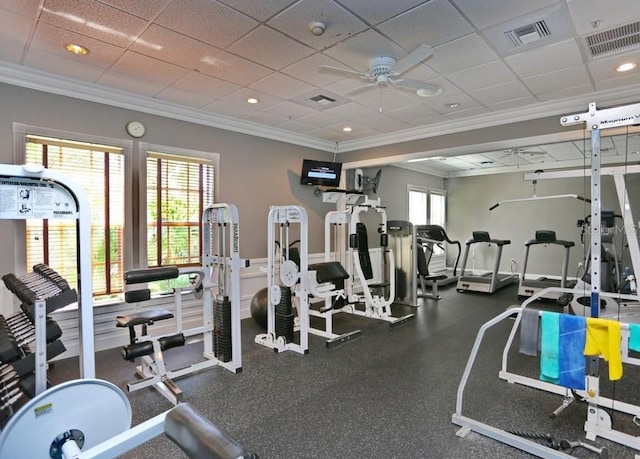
{"x": 22, "y": 198}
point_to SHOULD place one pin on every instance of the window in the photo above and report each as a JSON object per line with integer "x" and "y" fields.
{"x": 99, "y": 169}
{"x": 417, "y": 205}
{"x": 437, "y": 207}
{"x": 179, "y": 188}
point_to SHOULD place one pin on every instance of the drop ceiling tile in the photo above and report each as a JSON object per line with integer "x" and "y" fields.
{"x": 482, "y": 76}
{"x": 180, "y": 97}
{"x": 23, "y": 7}
{"x": 386, "y": 98}
{"x": 240, "y": 97}
{"x": 439, "y": 104}
{"x": 450, "y": 92}
{"x": 260, "y": 10}
{"x": 95, "y": 20}
{"x": 224, "y": 108}
{"x": 130, "y": 83}
{"x": 467, "y": 113}
{"x": 209, "y": 87}
{"x": 500, "y": 93}
{"x": 557, "y": 56}
{"x": 230, "y": 67}
{"x": 169, "y": 46}
{"x": 351, "y": 111}
{"x": 148, "y": 9}
{"x": 566, "y": 92}
{"x": 462, "y": 53}
{"x": 515, "y": 103}
{"x": 411, "y": 113}
{"x": 614, "y": 83}
{"x": 57, "y": 65}
{"x": 420, "y": 73}
{"x": 605, "y": 69}
{"x": 296, "y": 126}
{"x": 609, "y": 14}
{"x": 356, "y": 52}
{"x": 266, "y": 118}
{"x": 11, "y": 52}
{"x": 290, "y": 110}
{"x": 147, "y": 68}
{"x": 307, "y": 70}
{"x": 432, "y": 23}
{"x": 345, "y": 86}
{"x": 375, "y": 12}
{"x": 489, "y": 12}
{"x": 270, "y": 48}
{"x": 563, "y": 151}
{"x": 51, "y": 39}
{"x": 282, "y": 86}
{"x": 320, "y": 119}
{"x": 14, "y": 28}
{"x": 207, "y": 21}
{"x": 326, "y": 134}
{"x": 560, "y": 79}
{"x": 383, "y": 123}
{"x": 339, "y": 22}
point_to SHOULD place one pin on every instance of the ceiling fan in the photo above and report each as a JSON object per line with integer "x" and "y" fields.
{"x": 520, "y": 152}
{"x": 385, "y": 71}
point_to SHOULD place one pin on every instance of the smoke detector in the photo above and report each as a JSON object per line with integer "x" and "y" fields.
{"x": 317, "y": 28}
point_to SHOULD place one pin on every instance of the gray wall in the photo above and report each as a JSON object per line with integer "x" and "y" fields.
{"x": 255, "y": 172}
{"x": 469, "y": 199}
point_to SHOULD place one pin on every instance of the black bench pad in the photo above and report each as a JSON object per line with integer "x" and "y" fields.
{"x": 143, "y": 318}
{"x": 329, "y": 271}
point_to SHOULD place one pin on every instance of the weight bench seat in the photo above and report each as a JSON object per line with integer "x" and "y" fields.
{"x": 143, "y": 318}
{"x": 330, "y": 271}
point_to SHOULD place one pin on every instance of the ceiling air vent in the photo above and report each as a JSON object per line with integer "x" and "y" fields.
{"x": 322, "y": 100}
{"x": 528, "y": 33}
{"x": 614, "y": 41}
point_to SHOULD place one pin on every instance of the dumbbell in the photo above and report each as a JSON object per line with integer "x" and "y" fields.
{"x": 602, "y": 452}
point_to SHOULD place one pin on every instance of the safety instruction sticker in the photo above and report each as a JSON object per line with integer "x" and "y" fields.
{"x": 22, "y": 198}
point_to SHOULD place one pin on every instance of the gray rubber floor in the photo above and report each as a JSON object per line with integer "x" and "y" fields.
{"x": 388, "y": 394}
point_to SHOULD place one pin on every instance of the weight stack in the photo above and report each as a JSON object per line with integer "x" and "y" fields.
{"x": 284, "y": 315}
{"x": 222, "y": 347}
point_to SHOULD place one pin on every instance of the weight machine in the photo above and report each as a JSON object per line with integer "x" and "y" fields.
{"x": 290, "y": 276}
{"x": 216, "y": 283}
{"x": 91, "y": 418}
{"x": 345, "y": 225}
{"x": 598, "y": 422}
{"x": 31, "y": 337}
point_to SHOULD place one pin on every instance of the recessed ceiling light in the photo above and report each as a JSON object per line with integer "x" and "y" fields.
{"x": 625, "y": 67}
{"x": 252, "y": 100}
{"x": 76, "y": 49}
{"x": 452, "y": 105}
{"x": 347, "y": 129}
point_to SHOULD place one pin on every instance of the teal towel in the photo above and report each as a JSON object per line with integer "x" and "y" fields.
{"x": 573, "y": 336}
{"x": 549, "y": 347}
{"x": 634, "y": 337}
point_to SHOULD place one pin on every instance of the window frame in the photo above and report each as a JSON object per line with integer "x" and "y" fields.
{"x": 144, "y": 148}
{"x": 419, "y": 189}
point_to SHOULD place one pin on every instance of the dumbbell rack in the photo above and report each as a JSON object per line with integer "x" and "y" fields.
{"x": 29, "y": 338}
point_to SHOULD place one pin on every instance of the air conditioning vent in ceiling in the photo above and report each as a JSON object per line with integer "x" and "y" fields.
{"x": 528, "y": 33}
{"x": 614, "y": 41}
{"x": 323, "y": 100}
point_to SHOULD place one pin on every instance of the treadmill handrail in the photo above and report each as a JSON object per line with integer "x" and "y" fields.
{"x": 556, "y": 242}
{"x": 499, "y": 242}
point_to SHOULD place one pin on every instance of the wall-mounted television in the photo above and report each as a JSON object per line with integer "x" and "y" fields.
{"x": 320, "y": 173}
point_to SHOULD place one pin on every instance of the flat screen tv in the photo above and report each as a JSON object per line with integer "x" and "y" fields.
{"x": 320, "y": 173}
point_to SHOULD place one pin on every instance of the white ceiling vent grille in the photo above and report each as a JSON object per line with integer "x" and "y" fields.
{"x": 614, "y": 41}
{"x": 528, "y": 33}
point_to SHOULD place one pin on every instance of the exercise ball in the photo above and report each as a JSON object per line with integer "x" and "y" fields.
{"x": 259, "y": 307}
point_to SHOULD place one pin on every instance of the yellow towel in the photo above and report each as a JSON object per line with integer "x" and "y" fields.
{"x": 603, "y": 338}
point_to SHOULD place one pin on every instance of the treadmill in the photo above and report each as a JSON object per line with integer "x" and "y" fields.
{"x": 529, "y": 287}
{"x": 487, "y": 282}
{"x": 429, "y": 237}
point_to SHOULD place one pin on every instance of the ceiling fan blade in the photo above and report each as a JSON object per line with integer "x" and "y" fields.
{"x": 412, "y": 59}
{"x": 360, "y": 89}
{"x": 422, "y": 89}
{"x": 341, "y": 71}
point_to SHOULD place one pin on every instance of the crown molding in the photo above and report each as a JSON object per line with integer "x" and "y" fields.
{"x": 578, "y": 104}
{"x": 34, "y": 79}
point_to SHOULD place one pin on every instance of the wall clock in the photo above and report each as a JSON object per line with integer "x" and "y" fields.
{"x": 135, "y": 129}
